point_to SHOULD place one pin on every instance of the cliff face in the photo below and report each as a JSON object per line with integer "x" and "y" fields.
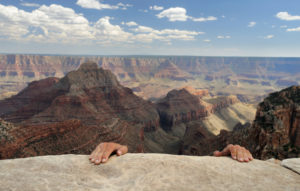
{"x": 277, "y": 125}
{"x": 146, "y": 172}
{"x": 273, "y": 134}
{"x": 74, "y": 114}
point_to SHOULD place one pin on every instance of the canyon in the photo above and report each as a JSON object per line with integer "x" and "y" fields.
{"x": 88, "y": 106}
{"x": 73, "y": 113}
{"x": 152, "y": 77}
{"x": 275, "y": 132}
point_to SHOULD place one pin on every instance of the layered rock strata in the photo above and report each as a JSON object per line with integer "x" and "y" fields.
{"x": 74, "y": 114}
{"x": 275, "y": 132}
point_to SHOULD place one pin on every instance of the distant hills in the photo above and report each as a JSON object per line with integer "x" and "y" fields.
{"x": 250, "y": 79}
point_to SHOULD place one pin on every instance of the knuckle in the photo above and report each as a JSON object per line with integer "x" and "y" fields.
{"x": 102, "y": 144}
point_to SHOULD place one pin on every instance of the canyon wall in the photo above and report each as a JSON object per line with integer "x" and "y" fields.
{"x": 273, "y": 134}
{"x": 152, "y": 77}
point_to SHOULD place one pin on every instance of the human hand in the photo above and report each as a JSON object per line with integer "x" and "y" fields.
{"x": 237, "y": 153}
{"x": 103, "y": 151}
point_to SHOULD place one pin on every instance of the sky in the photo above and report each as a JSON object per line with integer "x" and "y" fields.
{"x": 264, "y": 28}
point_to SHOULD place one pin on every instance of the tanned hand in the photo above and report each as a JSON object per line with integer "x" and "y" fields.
{"x": 104, "y": 150}
{"x": 236, "y": 152}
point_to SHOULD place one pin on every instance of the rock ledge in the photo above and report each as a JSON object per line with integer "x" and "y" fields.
{"x": 144, "y": 172}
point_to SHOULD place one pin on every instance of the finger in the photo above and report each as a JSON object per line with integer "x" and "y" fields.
{"x": 240, "y": 154}
{"x": 233, "y": 152}
{"x": 224, "y": 152}
{"x": 93, "y": 155}
{"x": 246, "y": 155}
{"x": 99, "y": 154}
{"x": 249, "y": 156}
{"x": 122, "y": 150}
{"x": 217, "y": 154}
{"x": 109, "y": 149}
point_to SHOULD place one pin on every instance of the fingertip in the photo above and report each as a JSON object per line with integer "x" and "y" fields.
{"x": 217, "y": 153}
{"x": 97, "y": 162}
{"x": 119, "y": 152}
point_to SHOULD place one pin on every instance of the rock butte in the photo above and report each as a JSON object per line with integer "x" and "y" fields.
{"x": 145, "y": 172}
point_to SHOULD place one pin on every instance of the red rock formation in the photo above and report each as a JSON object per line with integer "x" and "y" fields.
{"x": 276, "y": 128}
{"x": 180, "y": 106}
{"x": 74, "y": 114}
{"x": 275, "y": 132}
{"x": 197, "y": 92}
{"x": 169, "y": 70}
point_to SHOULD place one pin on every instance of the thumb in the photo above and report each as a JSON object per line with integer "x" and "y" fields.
{"x": 122, "y": 150}
{"x": 217, "y": 154}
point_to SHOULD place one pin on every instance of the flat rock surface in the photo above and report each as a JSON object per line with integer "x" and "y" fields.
{"x": 293, "y": 164}
{"x": 144, "y": 172}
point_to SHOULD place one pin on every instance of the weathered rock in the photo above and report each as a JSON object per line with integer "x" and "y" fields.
{"x": 180, "y": 106}
{"x": 293, "y": 164}
{"x": 276, "y": 128}
{"x": 275, "y": 132}
{"x": 197, "y": 92}
{"x": 144, "y": 172}
{"x": 74, "y": 114}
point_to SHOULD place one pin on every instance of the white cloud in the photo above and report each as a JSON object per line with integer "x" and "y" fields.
{"x": 222, "y": 37}
{"x": 104, "y": 30}
{"x": 179, "y": 14}
{"x": 287, "y": 17}
{"x": 96, "y": 4}
{"x": 30, "y": 4}
{"x": 283, "y": 26}
{"x": 269, "y": 36}
{"x": 251, "y": 24}
{"x": 156, "y": 8}
{"x": 203, "y": 19}
{"x": 143, "y": 29}
{"x": 58, "y": 24}
{"x": 55, "y": 23}
{"x": 206, "y": 40}
{"x": 131, "y": 23}
{"x": 149, "y": 34}
{"x": 293, "y": 29}
{"x": 174, "y": 14}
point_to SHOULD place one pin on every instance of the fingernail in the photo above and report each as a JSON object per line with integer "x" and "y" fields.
{"x": 97, "y": 161}
{"x": 119, "y": 152}
{"x": 234, "y": 157}
{"x": 93, "y": 160}
{"x": 240, "y": 159}
{"x": 104, "y": 159}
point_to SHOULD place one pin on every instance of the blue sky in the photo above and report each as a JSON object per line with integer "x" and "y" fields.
{"x": 151, "y": 27}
